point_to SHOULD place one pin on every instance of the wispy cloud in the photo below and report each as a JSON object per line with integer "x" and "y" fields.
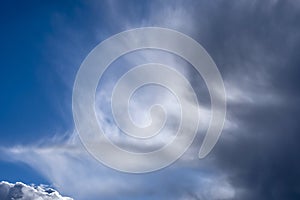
{"x": 74, "y": 172}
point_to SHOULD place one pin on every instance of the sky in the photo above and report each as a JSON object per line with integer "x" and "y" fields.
{"x": 256, "y": 47}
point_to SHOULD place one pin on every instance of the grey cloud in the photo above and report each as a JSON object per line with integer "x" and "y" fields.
{"x": 256, "y": 46}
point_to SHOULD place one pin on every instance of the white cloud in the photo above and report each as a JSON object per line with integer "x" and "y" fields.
{"x": 21, "y": 191}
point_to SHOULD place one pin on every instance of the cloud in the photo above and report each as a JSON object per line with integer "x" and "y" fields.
{"x": 255, "y": 44}
{"x": 21, "y": 191}
{"x": 74, "y": 172}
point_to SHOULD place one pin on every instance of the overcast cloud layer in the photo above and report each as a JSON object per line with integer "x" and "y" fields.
{"x": 256, "y": 46}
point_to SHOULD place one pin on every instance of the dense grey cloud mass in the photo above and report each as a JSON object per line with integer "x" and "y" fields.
{"x": 20, "y": 191}
{"x": 256, "y": 46}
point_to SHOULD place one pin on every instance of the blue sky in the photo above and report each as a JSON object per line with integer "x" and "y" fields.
{"x": 255, "y": 46}
{"x": 30, "y": 84}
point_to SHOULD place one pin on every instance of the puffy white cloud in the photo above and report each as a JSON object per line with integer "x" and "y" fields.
{"x": 21, "y": 191}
